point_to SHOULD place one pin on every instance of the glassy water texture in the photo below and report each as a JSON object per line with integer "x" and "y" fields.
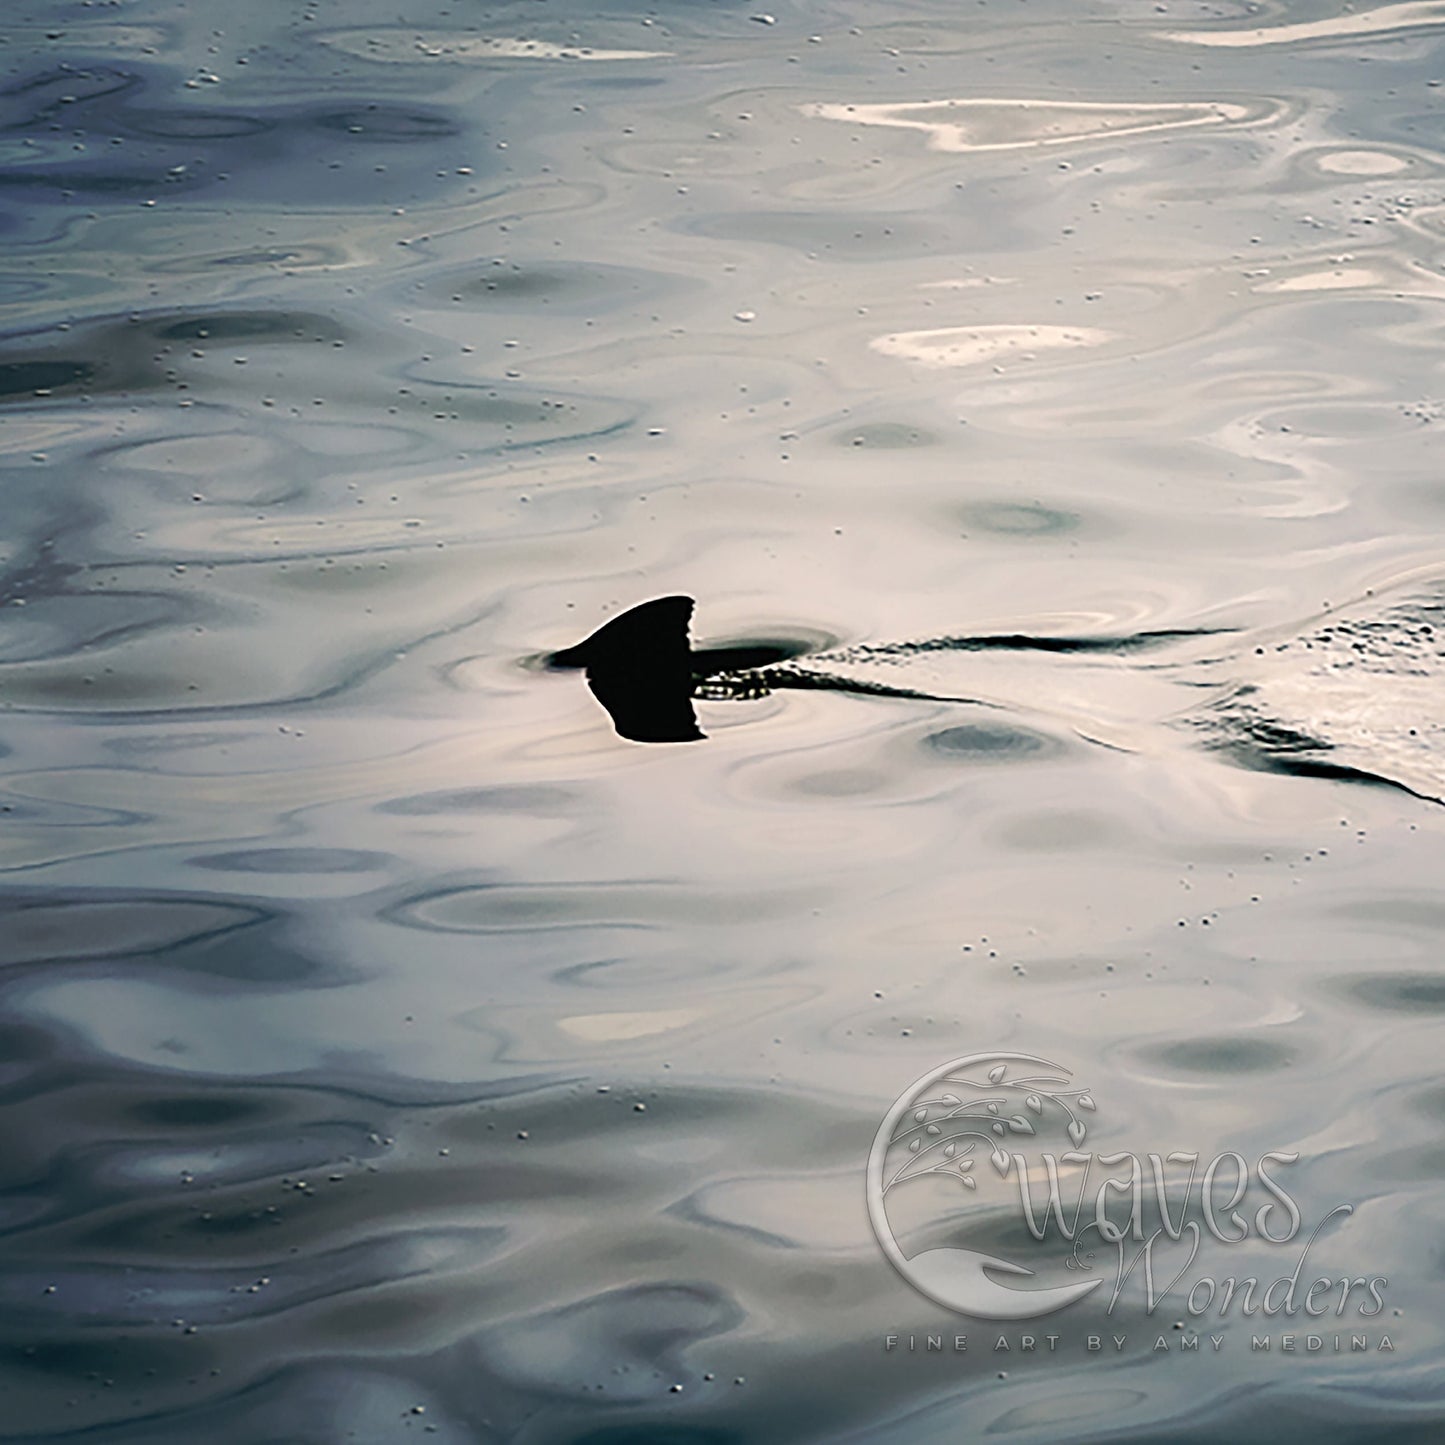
{"x": 388, "y": 1048}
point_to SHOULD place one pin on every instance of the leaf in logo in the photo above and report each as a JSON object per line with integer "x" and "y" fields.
{"x": 1033, "y": 1102}
{"x": 997, "y": 1129}
{"x": 999, "y": 1160}
{"x": 995, "y": 1073}
{"x": 1020, "y": 1125}
{"x": 1086, "y": 1102}
{"x": 967, "y": 1182}
{"x": 1076, "y": 1131}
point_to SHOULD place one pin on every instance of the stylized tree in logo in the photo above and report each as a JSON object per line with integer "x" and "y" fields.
{"x": 937, "y": 1127}
{"x": 933, "y": 1134}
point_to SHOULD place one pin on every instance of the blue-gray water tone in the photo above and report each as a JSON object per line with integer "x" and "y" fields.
{"x": 392, "y": 1051}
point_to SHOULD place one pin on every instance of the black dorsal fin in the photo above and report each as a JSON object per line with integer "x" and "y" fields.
{"x": 656, "y": 630}
{"x": 639, "y": 667}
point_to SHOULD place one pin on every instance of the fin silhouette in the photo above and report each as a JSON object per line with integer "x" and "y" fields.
{"x": 639, "y": 667}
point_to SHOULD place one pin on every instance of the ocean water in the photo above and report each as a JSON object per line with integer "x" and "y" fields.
{"x": 392, "y": 1051}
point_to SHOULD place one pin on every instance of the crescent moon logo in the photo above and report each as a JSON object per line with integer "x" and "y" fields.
{"x": 933, "y": 1129}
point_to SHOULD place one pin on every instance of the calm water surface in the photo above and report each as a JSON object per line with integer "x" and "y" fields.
{"x": 388, "y": 1048}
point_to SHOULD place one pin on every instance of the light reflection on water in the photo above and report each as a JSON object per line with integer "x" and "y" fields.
{"x": 350, "y": 365}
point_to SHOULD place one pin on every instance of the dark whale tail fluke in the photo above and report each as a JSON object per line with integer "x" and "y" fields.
{"x": 639, "y": 667}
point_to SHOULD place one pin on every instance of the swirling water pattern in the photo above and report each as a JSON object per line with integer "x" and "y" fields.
{"x": 388, "y": 1049}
